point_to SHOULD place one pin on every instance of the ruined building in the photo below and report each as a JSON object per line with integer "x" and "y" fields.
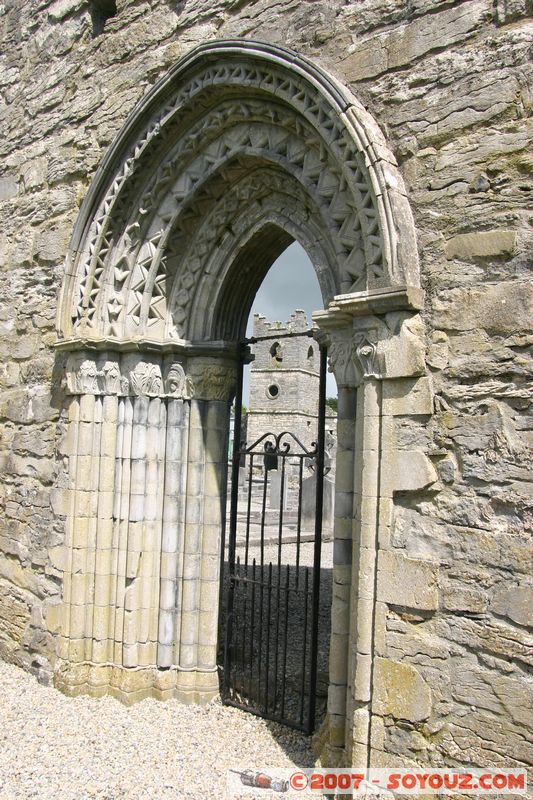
{"x": 157, "y": 157}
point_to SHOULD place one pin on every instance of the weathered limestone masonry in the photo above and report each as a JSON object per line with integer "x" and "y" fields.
{"x": 108, "y": 574}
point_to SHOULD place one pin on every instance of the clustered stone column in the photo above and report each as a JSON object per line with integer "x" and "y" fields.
{"x": 376, "y": 351}
{"x": 147, "y": 447}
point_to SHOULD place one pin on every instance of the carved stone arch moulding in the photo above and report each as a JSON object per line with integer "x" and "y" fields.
{"x": 226, "y": 110}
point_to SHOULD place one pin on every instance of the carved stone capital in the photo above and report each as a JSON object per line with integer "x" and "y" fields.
{"x": 88, "y": 374}
{"x": 144, "y": 376}
{"x": 340, "y": 358}
{"x": 129, "y": 374}
{"x": 389, "y": 343}
{"x": 176, "y": 383}
{"x": 212, "y": 378}
{"x": 353, "y": 356}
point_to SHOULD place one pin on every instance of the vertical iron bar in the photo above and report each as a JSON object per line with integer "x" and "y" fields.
{"x": 318, "y": 534}
{"x": 284, "y": 668}
{"x": 233, "y": 519}
{"x": 252, "y": 629}
{"x": 263, "y": 509}
{"x": 249, "y": 507}
{"x": 243, "y": 591}
{"x": 278, "y": 591}
{"x": 299, "y": 525}
{"x": 267, "y": 666}
{"x": 304, "y": 645}
{"x": 280, "y": 526}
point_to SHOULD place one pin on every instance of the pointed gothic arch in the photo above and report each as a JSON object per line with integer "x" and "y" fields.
{"x": 240, "y": 149}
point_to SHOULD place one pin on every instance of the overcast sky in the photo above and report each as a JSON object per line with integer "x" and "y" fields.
{"x": 291, "y": 283}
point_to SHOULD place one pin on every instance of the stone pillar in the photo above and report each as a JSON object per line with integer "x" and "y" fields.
{"x": 340, "y": 345}
{"x": 196, "y": 621}
{"x": 178, "y": 413}
{"x": 147, "y": 448}
{"x": 376, "y": 351}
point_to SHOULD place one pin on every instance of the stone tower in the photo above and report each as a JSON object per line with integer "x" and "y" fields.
{"x": 284, "y": 380}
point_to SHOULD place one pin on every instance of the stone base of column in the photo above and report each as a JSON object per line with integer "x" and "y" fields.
{"x": 131, "y": 685}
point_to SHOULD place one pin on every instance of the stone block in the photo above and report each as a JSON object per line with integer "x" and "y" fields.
{"x": 362, "y": 681}
{"x": 338, "y": 672}
{"x": 400, "y": 691}
{"x": 501, "y": 308}
{"x": 407, "y": 582}
{"x": 8, "y": 188}
{"x": 60, "y": 9}
{"x": 511, "y": 10}
{"x": 406, "y": 471}
{"x": 481, "y": 244}
{"x": 55, "y": 616}
{"x": 14, "y": 611}
{"x": 408, "y": 41}
{"x": 514, "y": 602}
{"x": 360, "y": 725}
{"x": 344, "y": 505}
{"x": 403, "y": 353}
{"x": 464, "y": 598}
{"x": 336, "y": 699}
{"x": 407, "y": 397}
{"x": 103, "y": 590}
{"x": 365, "y": 621}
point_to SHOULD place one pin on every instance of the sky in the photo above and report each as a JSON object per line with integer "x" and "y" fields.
{"x": 291, "y": 283}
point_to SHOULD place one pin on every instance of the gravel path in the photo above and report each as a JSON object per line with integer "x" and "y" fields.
{"x": 58, "y": 748}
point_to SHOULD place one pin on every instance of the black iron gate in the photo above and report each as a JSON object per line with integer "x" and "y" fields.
{"x": 271, "y": 604}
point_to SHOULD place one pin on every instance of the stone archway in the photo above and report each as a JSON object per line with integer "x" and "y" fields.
{"x": 240, "y": 149}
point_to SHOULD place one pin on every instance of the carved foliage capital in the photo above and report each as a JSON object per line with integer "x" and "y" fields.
{"x": 131, "y": 374}
{"x": 353, "y": 356}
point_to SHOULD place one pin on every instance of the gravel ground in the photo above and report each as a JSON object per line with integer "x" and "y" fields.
{"x": 61, "y": 748}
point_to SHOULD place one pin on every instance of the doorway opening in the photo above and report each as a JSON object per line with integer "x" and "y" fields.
{"x": 276, "y": 564}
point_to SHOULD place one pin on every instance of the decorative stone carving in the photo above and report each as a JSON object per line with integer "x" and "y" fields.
{"x": 130, "y": 374}
{"x": 73, "y": 365}
{"x": 340, "y": 359}
{"x": 177, "y": 384}
{"x": 82, "y": 374}
{"x": 111, "y": 378}
{"x": 211, "y": 380}
{"x": 366, "y": 356}
{"x": 145, "y": 379}
{"x": 298, "y": 122}
{"x": 353, "y": 357}
{"x": 88, "y": 377}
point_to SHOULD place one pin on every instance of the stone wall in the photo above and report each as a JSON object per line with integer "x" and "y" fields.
{"x": 449, "y": 83}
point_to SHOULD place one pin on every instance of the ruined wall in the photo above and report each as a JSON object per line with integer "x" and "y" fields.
{"x": 449, "y": 84}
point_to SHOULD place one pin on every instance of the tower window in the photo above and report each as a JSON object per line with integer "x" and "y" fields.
{"x": 273, "y": 391}
{"x": 276, "y": 353}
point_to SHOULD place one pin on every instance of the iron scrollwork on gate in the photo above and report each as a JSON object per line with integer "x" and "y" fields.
{"x": 273, "y": 575}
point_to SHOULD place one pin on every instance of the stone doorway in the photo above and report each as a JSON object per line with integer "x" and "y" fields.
{"x": 239, "y": 150}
